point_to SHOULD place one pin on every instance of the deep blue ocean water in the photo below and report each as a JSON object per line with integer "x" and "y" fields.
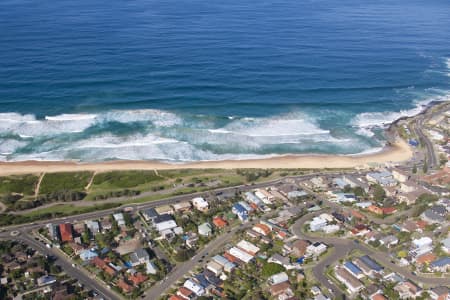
{"x": 200, "y": 80}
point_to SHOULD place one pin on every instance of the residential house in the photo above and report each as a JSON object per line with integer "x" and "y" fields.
{"x": 164, "y": 210}
{"x": 150, "y": 214}
{"x": 248, "y": 247}
{"x": 219, "y": 222}
{"x": 316, "y": 249}
{"x": 205, "y": 229}
{"x": 66, "y": 232}
{"x": 281, "y": 288}
{"x": 194, "y": 287}
{"x": 299, "y": 247}
{"x": 93, "y": 226}
{"x": 138, "y": 257}
{"x": 124, "y": 286}
{"x": 200, "y": 204}
{"x": 353, "y": 269}
{"x": 182, "y": 206}
{"x": 421, "y": 246}
{"x": 278, "y": 278}
{"x": 119, "y": 219}
{"x": 439, "y": 293}
{"x": 262, "y": 229}
{"x": 441, "y": 264}
{"x": 352, "y": 284}
{"x": 408, "y": 290}
{"x": 317, "y": 223}
{"x": 383, "y": 178}
{"x": 368, "y": 266}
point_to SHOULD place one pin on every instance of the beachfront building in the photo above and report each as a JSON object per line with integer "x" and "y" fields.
{"x": 200, "y": 204}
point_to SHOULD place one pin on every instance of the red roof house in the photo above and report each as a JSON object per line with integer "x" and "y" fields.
{"x": 66, "y": 232}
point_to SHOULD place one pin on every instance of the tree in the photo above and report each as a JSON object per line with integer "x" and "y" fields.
{"x": 414, "y": 169}
{"x": 270, "y": 269}
{"x": 425, "y": 167}
{"x": 378, "y": 193}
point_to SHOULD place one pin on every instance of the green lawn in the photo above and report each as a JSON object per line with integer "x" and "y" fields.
{"x": 72, "y": 181}
{"x": 123, "y": 179}
{"x": 22, "y": 184}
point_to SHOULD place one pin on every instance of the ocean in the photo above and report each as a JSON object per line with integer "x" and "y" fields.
{"x": 95, "y": 80}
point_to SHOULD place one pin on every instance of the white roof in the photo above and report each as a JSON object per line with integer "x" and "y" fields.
{"x": 248, "y": 247}
{"x": 242, "y": 255}
{"x": 118, "y": 217}
{"x": 166, "y": 225}
{"x": 278, "y": 278}
{"x": 423, "y": 241}
{"x": 197, "y": 289}
{"x": 199, "y": 202}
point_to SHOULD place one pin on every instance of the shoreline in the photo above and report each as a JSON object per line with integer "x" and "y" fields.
{"x": 397, "y": 152}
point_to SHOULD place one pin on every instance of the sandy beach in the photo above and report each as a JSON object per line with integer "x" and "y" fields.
{"x": 397, "y": 152}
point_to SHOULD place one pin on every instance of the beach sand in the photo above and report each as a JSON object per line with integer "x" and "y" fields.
{"x": 399, "y": 151}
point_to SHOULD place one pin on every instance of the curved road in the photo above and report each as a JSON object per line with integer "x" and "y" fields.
{"x": 343, "y": 246}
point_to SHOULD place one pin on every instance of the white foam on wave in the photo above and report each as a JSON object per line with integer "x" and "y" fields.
{"x": 294, "y": 124}
{"x": 383, "y": 119}
{"x": 28, "y": 126}
{"x": 9, "y": 146}
{"x": 71, "y": 117}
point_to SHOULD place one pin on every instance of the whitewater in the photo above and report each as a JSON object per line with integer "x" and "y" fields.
{"x": 183, "y": 81}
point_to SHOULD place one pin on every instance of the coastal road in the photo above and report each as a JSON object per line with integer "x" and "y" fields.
{"x": 78, "y": 273}
{"x": 430, "y": 157}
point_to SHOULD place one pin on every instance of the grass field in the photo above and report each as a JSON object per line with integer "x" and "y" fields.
{"x": 73, "y": 181}
{"x": 124, "y": 179}
{"x": 22, "y": 184}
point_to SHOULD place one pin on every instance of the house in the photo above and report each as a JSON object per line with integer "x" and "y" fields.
{"x": 175, "y": 297}
{"x": 378, "y": 296}
{"x": 185, "y": 293}
{"x": 93, "y": 226}
{"x": 421, "y": 246}
{"x": 281, "y": 288}
{"x": 241, "y": 255}
{"x": 182, "y": 206}
{"x": 79, "y": 228}
{"x": 105, "y": 224}
{"x": 383, "y": 178}
{"x": 164, "y": 222}
{"x": 425, "y": 259}
{"x": 368, "y": 265}
{"x": 435, "y": 214}
{"x": 46, "y": 280}
{"x": 137, "y": 278}
{"x": 328, "y": 229}
{"x": 265, "y": 196}
{"x": 316, "y": 249}
{"x": 317, "y": 223}
{"x": 293, "y": 195}
{"x": 150, "y": 214}
{"x": 240, "y": 211}
{"x": 439, "y": 293}
{"x": 252, "y": 198}
{"x": 441, "y": 265}
{"x": 262, "y": 229}
{"x": 388, "y": 241}
{"x": 446, "y": 245}
{"x": 248, "y": 247}
{"x": 343, "y": 197}
{"x": 125, "y": 287}
{"x": 138, "y": 257}
{"x": 205, "y": 229}
{"x": 200, "y": 204}
{"x": 278, "y": 278}
{"x": 119, "y": 219}
{"x": 299, "y": 247}
{"x": 281, "y": 260}
{"x": 353, "y": 269}
{"x": 352, "y": 284}
{"x": 215, "y": 268}
{"x": 53, "y": 232}
{"x": 66, "y": 232}
{"x": 219, "y": 222}
{"x": 400, "y": 175}
{"x": 408, "y": 290}
{"x": 194, "y": 287}
{"x": 164, "y": 210}
{"x": 87, "y": 255}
